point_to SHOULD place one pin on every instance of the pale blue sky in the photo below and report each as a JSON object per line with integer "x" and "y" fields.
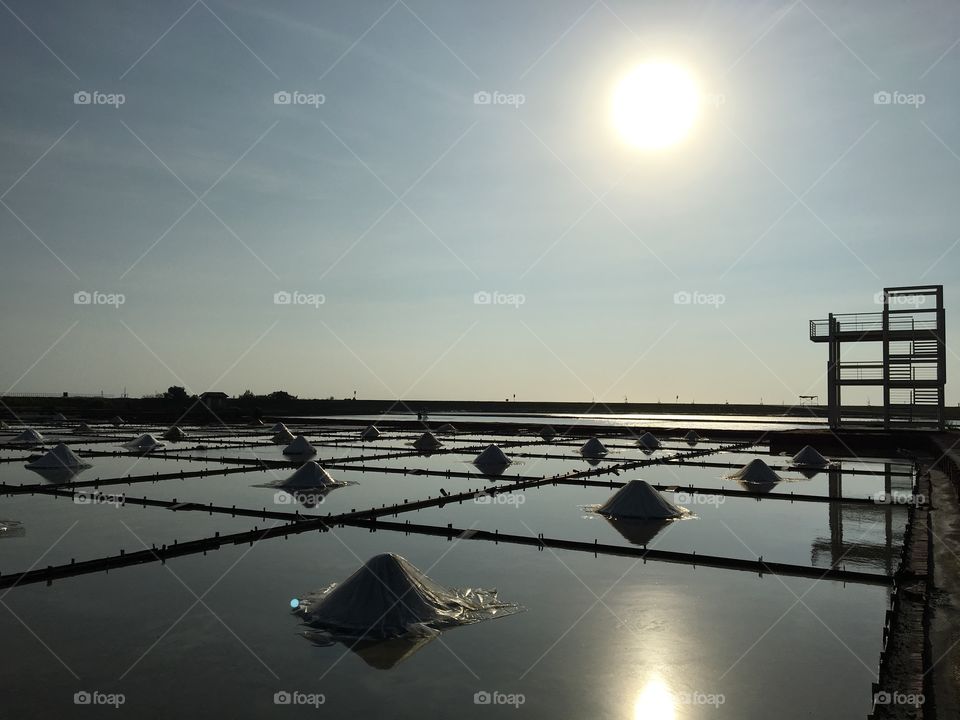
{"x": 543, "y": 200}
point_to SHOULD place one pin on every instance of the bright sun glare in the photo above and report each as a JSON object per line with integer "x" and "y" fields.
{"x": 654, "y": 702}
{"x": 655, "y": 105}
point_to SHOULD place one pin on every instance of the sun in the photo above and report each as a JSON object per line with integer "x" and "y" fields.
{"x": 655, "y": 105}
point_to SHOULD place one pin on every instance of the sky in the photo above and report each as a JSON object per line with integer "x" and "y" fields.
{"x": 433, "y": 245}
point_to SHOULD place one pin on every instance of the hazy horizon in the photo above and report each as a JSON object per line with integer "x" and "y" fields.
{"x": 449, "y": 184}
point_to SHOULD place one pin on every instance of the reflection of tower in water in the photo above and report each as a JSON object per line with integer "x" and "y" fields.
{"x": 861, "y": 550}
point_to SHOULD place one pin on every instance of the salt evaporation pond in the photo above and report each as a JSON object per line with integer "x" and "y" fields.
{"x": 601, "y": 636}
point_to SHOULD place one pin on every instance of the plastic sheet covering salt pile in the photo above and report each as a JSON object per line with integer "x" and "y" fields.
{"x": 390, "y": 598}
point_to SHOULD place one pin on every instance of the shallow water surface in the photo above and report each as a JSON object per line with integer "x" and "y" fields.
{"x": 601, "y": 636}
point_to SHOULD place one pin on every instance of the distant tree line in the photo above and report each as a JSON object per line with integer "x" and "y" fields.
{"x": 249, "y": 396}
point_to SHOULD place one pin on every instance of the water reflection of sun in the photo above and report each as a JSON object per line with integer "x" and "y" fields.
{"x": 654, "y": 701}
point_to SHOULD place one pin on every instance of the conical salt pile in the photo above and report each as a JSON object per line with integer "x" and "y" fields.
{"x": 810, "y": 458}
{"x": 256, "y": 422}
{"x": 548, "y": 433}
{"x": 447, "y": 429}
{"x": 300, "y": 446}
{"x": 390, "y": 597}
{"x": 60, "y": 418}
{"x": 638, "y": 501}
{"x": 59, "y": 458}
{"x": 692, "y": 437}
{"x": 83, "y": 428}
{"x": 283, "y": 437}
{"x": 117, "y": 420}
{"x": 756, "y": 476}
{"x": 593, "y": 448}
{"x": 29, "y": 437}
{"x": 3, "y": 425}
{"x": 370, "y": 433}
{"x": 648, "y": 441}
{"x": 427, "y": 441}
{"x": 492, "y": 457}
{"x": 143, "y": 443}
{"x": 174, "y": 434}
{"x": 310, "y": 475}
{"x": 279, "y": 427}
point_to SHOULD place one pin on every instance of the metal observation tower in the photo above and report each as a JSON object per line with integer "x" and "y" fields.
{"x": 909, "y": 338}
